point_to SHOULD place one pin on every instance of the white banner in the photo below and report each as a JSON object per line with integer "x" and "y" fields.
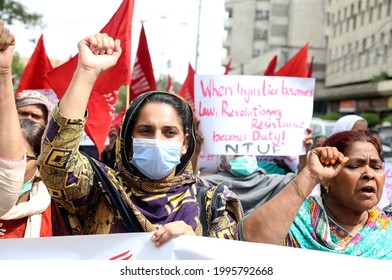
{"x": 257, "y": 115}
{"x": 185, "y": 257}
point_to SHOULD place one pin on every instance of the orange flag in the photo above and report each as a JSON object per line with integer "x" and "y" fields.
{"x": 103, "y": 99}
{"x": 143, "y": 79}
{"x": 34, "y": 74}
{"x": 297, "y": 66}
{"x": 187, "y": 90}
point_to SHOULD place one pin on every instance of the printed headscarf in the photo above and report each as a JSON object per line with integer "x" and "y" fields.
{"x": 165, "y": 200}
{"x": 33, "y": 97}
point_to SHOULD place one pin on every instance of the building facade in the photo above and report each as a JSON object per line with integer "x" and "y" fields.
{"x": 257, "y": 30}
{"x": 359, "y": 57}
{"x": 351, "y": 42}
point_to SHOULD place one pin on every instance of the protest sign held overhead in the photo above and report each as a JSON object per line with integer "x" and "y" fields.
{"x": 254, "y": 114}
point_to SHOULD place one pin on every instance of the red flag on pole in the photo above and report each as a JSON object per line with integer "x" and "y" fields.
{"x": 169, "y": 87}
{"x": 34, "y": 74}
{"x": 143, "y": 79}
{"x": 227, "y": 69}
{"x": 310, "y": 71}
{"x": 103, "y": 99}
{"x": 297, "y": 66}
{"x": 269, "y": 71}
{"x": 187, "y": 90}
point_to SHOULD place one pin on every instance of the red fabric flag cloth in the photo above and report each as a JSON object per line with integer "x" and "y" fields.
{"x": 187, "y": 90}
{"x": 310, "y": 71}
{"x": 269, "y": 71}
{"x": 117, "y": 120}
{"x": 297, "y": 66}
{"x": 227, "y": 69}
{"x": 143, "y": 79}
{"x": 34, "y": 74}
{"x": 169, "y": 87}
{"x": 103, "y": 99}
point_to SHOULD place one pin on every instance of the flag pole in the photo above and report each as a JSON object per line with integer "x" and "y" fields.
{"x": 127, "y": 100}
{"x": 198, "y": 36}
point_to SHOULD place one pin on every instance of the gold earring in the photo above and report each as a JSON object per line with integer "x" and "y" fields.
{"x": 326, "y": 189}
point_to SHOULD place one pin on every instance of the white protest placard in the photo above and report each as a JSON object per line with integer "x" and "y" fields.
{"x": 208, "y": 163}
{"x": 260, "y": 115}
{"x": 134, "y": 256}
{"x": 387, "y": 192}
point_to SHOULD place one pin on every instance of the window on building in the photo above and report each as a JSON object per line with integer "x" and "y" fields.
{"x": 362, "y": 18}
{"x": 347, "y": 25}
{"x": 371, "y": 15}
{"x": 354, "y": 22}
{"x": 262, "y": 14}
{"x": 280, "y": 10}
{"x": 374, "y": 49}
{"x": 344, "y": 59}
{"x": 256, "y": 52}
{"x": 389, "y": 5}
{"x": 390, "y": 39}
{"x": 279, "y": 30}
{"x": 261, "y": 34}
{"x": 379, "y": 12}
{"x": 328, "y": 20}
{"x": 230, "y": 12}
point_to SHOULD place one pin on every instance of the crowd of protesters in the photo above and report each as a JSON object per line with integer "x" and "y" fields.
{"x": 49, "y": 186}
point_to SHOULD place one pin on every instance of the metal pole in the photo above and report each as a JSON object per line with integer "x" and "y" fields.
{"x": 198, "y": 36}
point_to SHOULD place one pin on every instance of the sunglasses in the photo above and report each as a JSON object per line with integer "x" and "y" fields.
{"x": 31, "y": 157}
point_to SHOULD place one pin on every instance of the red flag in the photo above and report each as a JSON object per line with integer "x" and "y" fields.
{"x": 187, "y": 90}
{"x": 143, "y": 79}
{"x": 227, "y": 67}
{"x": 38, "y": 66}
{"x": 117, "y": 120}
{"x": 169, "y": 85}
{"x": 310, "y": 71}
{"x": 102, "y": 102}
{"x": 271, "y": 67}
{"x": 297, "y": 66}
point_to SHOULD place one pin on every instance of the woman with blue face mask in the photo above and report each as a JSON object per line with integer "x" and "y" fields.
{"x": 31, "y": 215}
{"x": 252, "y": 184}
{"x": 152, "y": 187}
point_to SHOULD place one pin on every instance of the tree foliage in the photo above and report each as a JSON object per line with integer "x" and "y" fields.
{"x": 17, "y": 69}
{"x": 372, "y": 119}
{"x": 11, "y": 11}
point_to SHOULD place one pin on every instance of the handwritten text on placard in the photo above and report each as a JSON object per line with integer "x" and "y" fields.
{"x": 253, "y": 114}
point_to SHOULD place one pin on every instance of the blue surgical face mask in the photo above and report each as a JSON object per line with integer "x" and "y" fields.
{"x": 243, "y": 166}
{"x": 155, "y": 158}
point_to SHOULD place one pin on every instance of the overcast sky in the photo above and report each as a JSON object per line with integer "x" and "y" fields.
{"x": 170, "y": 25}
